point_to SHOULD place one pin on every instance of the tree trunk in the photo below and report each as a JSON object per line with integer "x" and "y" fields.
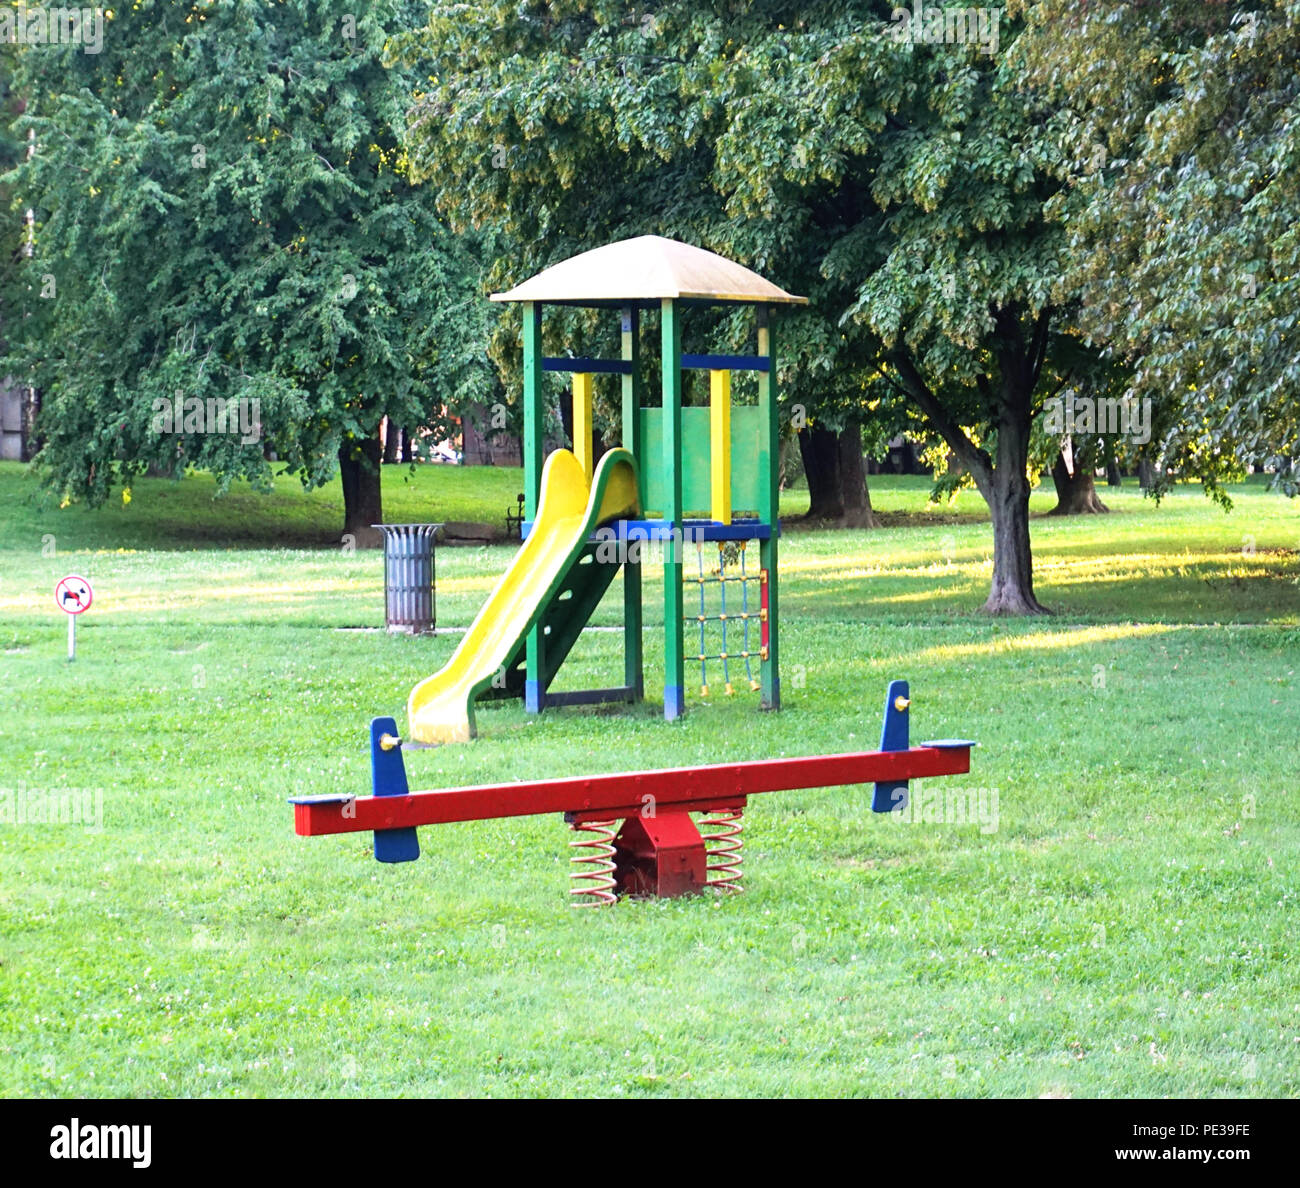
{"x": 566, "y": 415}
{"x": 1003, "y": 482}
{"x": 819, "y": 449}
{"x": 31, "y": 444}
{"x": 359, "y": 463}
{"x": 408, "y": 447}
{"x": 1012, "y": 592}
{"x": 837, "y": 483}
{"x": 1146, "y": 474}
{"x": 1113, "y": 477}
{"x": 1076, "y": 491}
{"x": 853, "y": 480}
{"x": 784, "y": 464}
{"x": 392, "y": 443}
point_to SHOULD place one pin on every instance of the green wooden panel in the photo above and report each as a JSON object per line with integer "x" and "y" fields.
{"x": 746, "y": 446}
{"x": 746, "y": 436}
{"x": 653, "y": 487}
{"x": 697, "y": 486}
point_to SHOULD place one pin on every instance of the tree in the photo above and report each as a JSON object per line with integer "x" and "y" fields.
{"x": 230, "y": 261}
{"x": 12, "y": 218}
{"x": 849, "y": 423}
{"x": 837, "y": 485}
{"x": 13, "y": 226}
{"x": 899, "y": 183}
{"x": 1086, "y": 422}
{"x": 522, "y": 113}
{"x": 1181, "y": 130}
{"x": 1072, "y": 476}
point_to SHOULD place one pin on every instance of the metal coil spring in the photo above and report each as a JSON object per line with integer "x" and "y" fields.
{"x": 592, "y": 870}
{"x": 723, "y": 846}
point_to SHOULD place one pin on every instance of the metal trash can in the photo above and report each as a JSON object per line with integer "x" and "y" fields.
{"x": 408, "y": 576}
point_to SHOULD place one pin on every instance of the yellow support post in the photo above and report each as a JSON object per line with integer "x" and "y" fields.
{"x": 582, "y": 441}
{"x": 720, "y": 444}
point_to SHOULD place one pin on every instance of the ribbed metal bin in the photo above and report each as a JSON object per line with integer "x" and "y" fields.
{"x": 408, "y": 576}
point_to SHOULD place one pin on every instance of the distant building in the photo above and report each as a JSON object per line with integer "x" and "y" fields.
{"x": 902, "y": 458}
{"x": 17, "y": 413}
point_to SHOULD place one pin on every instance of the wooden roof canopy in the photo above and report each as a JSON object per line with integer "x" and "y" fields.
{"x": 644, "y": 271}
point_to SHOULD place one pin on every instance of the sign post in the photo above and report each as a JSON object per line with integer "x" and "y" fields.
{"x": 73, "y": 597}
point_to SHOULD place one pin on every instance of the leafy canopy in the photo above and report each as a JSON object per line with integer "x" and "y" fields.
{"x": 1181, "y": 124}
{"x": 224, "y": 210}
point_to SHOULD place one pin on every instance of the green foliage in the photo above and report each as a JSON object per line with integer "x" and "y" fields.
{"x": 12, "y": 224}
{"x": 566, "y": 125}
{"x": 900, "y": 185}
{"x": 224, "y": 211}
{"x": 1180, "y": 134}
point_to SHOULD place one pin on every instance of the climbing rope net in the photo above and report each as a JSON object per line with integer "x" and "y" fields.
{"x": 730, "y": 629}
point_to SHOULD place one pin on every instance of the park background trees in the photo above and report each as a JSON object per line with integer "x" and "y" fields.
{"x": 926, "y": 192}
{"x": 900, "y": 185}
{"x": 223, "y": 212}
{"x": 1182, "y": 135}
{"x": 249, "y": 202}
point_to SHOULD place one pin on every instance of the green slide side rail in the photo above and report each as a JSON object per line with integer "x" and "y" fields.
{"x": 565, "y": 616}
{"x": 581, "y": 584}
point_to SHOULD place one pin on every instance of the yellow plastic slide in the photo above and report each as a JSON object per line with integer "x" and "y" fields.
{"x": 441, "y": 708}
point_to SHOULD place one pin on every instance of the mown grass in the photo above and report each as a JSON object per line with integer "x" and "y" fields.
{"x": 1127, "y": 928}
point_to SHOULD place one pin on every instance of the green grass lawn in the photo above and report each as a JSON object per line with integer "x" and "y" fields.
{"x": 1124, "y": 925}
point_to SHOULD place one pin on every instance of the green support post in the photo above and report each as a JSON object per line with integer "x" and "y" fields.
{"x": 769, "y": 506}
{"x": 534, "y": 420}
{"x": 674, "y": 669}
{"x": 633, "y": 659}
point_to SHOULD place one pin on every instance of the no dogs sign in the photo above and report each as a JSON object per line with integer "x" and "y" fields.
{"x": 73, "y": 595}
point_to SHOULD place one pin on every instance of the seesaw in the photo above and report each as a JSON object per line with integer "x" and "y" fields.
{"x": 659, "y": 849}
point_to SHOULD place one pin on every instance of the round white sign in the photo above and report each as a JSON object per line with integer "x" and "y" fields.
{"x": 73, "y": 595}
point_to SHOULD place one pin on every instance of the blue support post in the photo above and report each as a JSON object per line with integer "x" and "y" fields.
{"x": 388, "y": 778}
{"x": 893, "y": 737}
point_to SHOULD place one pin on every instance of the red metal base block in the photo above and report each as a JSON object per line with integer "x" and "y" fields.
{"x": 661, "y": 855}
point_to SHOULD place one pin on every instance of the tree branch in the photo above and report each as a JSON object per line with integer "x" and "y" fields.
{"x": 1038, "y": 346}
{"x": 976, "y": 460}
{"x": 1069, "y": 376}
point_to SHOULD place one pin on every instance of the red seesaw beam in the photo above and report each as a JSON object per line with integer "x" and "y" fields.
{"x": 684, "y": 789}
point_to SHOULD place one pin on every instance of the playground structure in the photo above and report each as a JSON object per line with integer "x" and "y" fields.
{"x": 658, "y": 849}
{"x": 583, "y": 521}
{"x": 684, "y": 478}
